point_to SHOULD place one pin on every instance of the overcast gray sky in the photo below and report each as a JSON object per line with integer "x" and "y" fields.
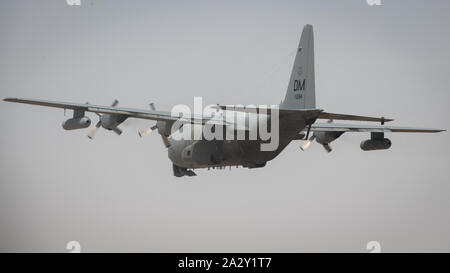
{"x": 119, "y": 194}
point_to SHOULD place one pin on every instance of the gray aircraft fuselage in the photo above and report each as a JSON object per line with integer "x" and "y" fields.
{"x": 192, "y": 154}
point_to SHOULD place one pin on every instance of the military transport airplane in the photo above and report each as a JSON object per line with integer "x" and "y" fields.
{"x": 297, "y": 120}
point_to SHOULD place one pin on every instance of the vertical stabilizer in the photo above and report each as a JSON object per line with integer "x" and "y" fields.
{"x": 301, "y": 89}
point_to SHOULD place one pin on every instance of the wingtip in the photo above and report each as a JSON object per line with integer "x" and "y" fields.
{"x": 434, "y": 130}
{"x": 437, "y": 130}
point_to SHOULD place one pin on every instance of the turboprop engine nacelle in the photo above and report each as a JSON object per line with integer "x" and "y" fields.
{"x": 327, "y": 137}
{"x": 164, "y": 127}
{"x": 376, "y": 144}
{"x": 76, "y": 123}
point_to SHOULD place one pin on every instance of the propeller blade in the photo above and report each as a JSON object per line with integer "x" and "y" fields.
{"x": 327, "y": 147}
{"x": 166, "y": 141}
{"x": 149, "y": 130}
{"x": 307, "y": 143}
{"x": 146, "y": 131}
{"x": 117, "y": 131}
{"x": 94, "y": 130}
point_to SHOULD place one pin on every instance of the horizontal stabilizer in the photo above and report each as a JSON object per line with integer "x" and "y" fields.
{"x": 333, "y": 116}
{"x": 322, "y": 115}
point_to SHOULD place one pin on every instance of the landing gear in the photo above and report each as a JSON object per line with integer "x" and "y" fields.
{"x": 180, "y": 171}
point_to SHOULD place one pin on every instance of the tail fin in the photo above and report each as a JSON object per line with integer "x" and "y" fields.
{"x": 301, "y": 92}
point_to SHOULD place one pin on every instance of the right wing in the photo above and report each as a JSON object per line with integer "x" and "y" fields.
{"x": 128, "y": 112}
{"x": 334, "y": 127}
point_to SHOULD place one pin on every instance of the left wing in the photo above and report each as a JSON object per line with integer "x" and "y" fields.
{"x": 333, "y": 127}
{"x": 325, "y": 133}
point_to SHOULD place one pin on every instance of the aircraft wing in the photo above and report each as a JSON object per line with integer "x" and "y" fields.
{"x": 128, "y": 112}
{"x": 296, "y": 112}
{"x": 334, "y": 127}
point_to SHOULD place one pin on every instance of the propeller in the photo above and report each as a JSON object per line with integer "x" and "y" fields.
{"x": 327, "y": 147}
{"x": 94, "y": 130}
{"x": 115, "y": 102}
{"x": 307, "y": 143}
{"x": 147, "y": 131}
